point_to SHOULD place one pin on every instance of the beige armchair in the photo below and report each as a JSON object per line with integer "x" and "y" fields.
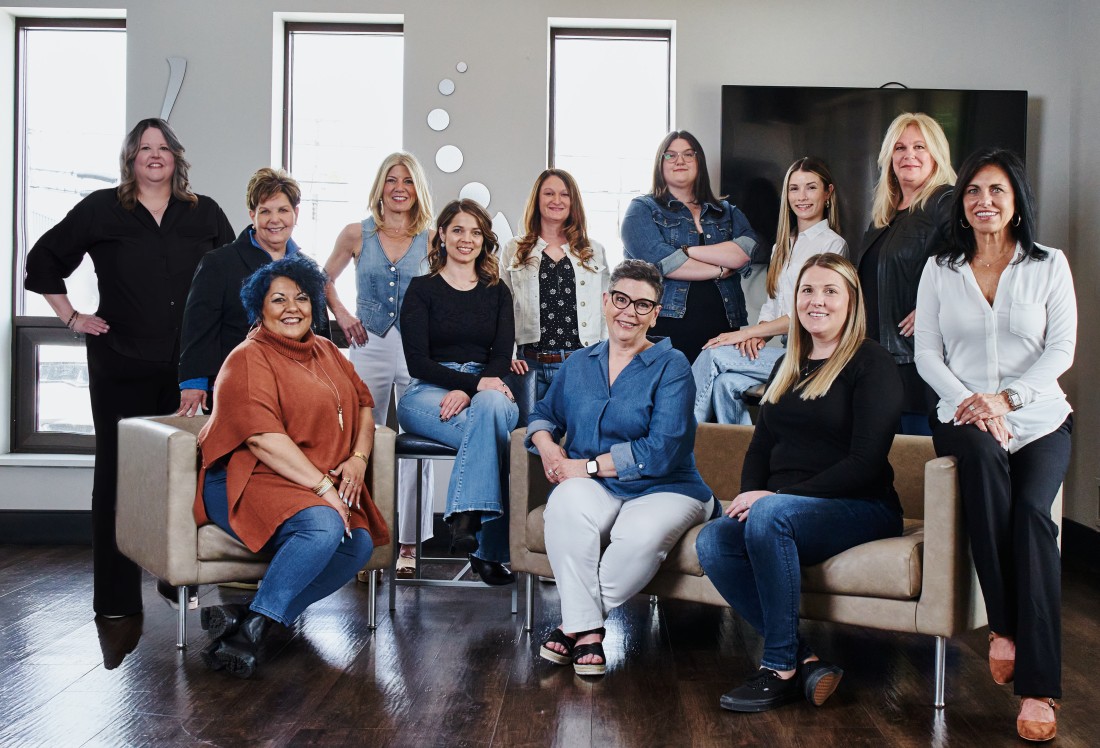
{"x": 157, "y": 477}
{"x": 922, "y": 582}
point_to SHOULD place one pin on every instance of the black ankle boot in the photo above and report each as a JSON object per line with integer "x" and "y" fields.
{"x": 240, "y": 653}
{"x": 223, "y": 620}
{"x": 464, "y": 527}
{"x": 493, "y": 573}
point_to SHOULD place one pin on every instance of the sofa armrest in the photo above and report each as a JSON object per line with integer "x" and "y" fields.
{"x": 948, "y": 602}
{"x": 527, "y": 489}
{"x": 157, "y": 476}
{"x": 381, "y": 480}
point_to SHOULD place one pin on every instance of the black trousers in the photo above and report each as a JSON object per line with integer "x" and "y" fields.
{"x": 1007, "y": 500}
{"x": 120, "y": 387}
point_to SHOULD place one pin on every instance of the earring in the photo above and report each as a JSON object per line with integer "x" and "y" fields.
{"x": 963, "y": 223}
{"x": 1016, "y": 221}
{"x": 828, "y": 203}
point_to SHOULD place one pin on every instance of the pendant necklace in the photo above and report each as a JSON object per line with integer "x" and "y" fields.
{"x": 331, "y": 386}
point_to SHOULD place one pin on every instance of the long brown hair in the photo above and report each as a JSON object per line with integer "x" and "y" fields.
{"x": 800, "y": 344}
{"x": 486, "y": 264}
{"x": 128, "y": 189}
{"x": 576, "y": 226}
{"x": 787, "y": 232}
{"x": 701, "y": 189}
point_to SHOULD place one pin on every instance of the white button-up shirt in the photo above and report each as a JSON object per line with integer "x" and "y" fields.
{"x": 1024, "y": 341}
{"x": 818, "y": 239}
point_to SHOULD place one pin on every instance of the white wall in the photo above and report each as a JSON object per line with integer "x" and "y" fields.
{"x": 498, "y": 112}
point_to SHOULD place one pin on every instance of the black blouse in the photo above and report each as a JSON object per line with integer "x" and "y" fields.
{"x": 143, "y": 270}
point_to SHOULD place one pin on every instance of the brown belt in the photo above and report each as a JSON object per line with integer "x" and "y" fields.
{"x": 545, "y": 358}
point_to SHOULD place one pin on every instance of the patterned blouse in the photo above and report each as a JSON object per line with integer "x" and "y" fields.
{"x": 557, "y": 306}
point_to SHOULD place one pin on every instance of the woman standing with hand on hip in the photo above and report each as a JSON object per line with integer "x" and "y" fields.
{"x": 996, "y": 327}
{"x": 389, "y": 248}
{"x": 557, "y": 276}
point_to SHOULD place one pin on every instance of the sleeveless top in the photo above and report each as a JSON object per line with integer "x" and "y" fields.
{"x": 381, "y": 284}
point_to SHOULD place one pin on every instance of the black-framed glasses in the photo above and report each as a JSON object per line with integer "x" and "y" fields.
{"x": 641, "y": 306}
{"x": 673, "y": 155}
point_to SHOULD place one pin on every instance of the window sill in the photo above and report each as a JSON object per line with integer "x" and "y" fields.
{"x": 42, "y": 460}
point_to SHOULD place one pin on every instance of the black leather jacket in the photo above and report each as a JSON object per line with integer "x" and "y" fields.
{"x": 903, "y": 248}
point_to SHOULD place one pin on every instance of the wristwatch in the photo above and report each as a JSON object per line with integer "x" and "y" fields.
{"x": 1013, "y": 397}
{"x": 592, "y": 467}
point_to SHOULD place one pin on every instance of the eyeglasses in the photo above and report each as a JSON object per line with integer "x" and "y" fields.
{"x": 641, "y": 306}
{"x": 688, "y": 156}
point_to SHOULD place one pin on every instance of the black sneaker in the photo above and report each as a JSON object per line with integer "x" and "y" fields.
{"x": 763, "y": 690}
{"x": 819, "y": 680}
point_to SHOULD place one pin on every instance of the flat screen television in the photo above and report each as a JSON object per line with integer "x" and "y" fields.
{"x": 765, "y": 128}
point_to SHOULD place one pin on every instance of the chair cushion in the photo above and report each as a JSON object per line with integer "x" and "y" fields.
{"x": 215, "y": 544}
{"x": 414, "y": 445}
{"x": 891, "y": 568}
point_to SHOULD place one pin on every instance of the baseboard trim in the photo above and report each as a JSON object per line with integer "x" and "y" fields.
{"x": 42, "y": 527}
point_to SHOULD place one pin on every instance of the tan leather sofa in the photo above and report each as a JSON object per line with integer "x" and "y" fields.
{"x": 922, "y": 582}
{"x": 157, "y": 476}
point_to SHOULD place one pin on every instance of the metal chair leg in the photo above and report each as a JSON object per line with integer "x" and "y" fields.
{"x": 941, "y": 670}
{"x": 530, "y": 600}
{"x": 515, "y": 598}
{"x": 372, "y": 603}
{"x": 181, "y": 619}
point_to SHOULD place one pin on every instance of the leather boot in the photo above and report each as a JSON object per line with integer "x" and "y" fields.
{"x": 240, "y": 653}
{"x": 223, "y": 620}
{"x": 464, "y": 527}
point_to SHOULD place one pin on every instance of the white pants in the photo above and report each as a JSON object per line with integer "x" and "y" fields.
{"x": 582, "y": 518}
{"x": 381, "y": 364}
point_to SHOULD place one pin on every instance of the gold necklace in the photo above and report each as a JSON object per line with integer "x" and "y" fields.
{"x": 161, "y": 208}
{"x": 331, "y": 385}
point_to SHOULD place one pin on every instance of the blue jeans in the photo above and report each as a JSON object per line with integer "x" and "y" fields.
{"x": 480, "y": 433}
{"x": 312, "y": 558}
{"x": 532, "y": 386}
{"x": 722, "y": 376}
{"x": 756, "y": 564}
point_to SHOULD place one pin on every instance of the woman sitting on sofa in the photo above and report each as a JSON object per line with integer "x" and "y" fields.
{"x": 626, "y": 471}
{"x": 816, "y": 481}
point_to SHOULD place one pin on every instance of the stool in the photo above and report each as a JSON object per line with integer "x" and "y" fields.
{"x": 415, "y": 447}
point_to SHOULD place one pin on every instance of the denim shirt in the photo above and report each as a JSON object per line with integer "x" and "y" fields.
{"x": 645, "y": 420}
{"x": 382, "y": 284}
{"x": 654, "y": 230}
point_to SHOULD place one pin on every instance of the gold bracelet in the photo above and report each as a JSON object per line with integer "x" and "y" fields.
{"x": 321, "y": 488}
{"x": 361, "y": 456}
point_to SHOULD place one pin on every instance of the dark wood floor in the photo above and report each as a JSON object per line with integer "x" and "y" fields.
{"x": 453, "y": 667}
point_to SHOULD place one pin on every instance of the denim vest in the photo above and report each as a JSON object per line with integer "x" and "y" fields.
{"x": 381, "y": 284}
{"x": 654, "y": 230}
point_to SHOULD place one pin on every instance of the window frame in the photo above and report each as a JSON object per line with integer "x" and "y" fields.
{"x": 570, "y": 32}
{"x": 29, "y": 332}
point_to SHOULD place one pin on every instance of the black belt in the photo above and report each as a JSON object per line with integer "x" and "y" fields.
{"x": 545, "y": 358}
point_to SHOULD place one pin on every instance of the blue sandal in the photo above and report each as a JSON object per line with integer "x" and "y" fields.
{"x": 595, "y": 648}
{"x": 558, "y": 636}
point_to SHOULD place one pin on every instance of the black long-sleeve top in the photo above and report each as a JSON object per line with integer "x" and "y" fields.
{"x": 837, "y": 445}
{"x": 143, "y": 270}
{"x": 442, "y": 324}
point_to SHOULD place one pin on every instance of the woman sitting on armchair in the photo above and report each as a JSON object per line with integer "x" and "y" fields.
{"x": 284, "y": 459}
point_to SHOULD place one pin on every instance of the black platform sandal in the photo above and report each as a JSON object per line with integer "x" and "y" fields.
{"x": 595, "y": 648}
{"x": 557, "y": 636}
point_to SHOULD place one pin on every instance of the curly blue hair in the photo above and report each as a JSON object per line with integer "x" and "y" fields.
{"x": 299, "y": 268}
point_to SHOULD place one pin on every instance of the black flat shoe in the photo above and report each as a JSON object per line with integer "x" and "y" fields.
{"x": 493, "y": 573}
{"x": 223, "y": 620}
{"x": 464, "y": 527}
{"x": 819, "y": 680}
{"x": 171, "y": 596}
{"x": 763, "y": 690}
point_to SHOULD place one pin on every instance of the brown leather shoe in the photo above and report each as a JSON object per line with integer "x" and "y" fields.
{"x": 1035, "y": 731}
{"x": 1003, "y": 671}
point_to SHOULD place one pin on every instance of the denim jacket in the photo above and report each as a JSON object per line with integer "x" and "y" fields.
{"x": 654, "y": 230}
{"x": 644, "y": 420}
{"x": 523, "y": 282}
{"x": 382, "y": 284}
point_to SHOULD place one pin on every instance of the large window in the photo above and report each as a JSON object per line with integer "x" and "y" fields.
{"x": 610, "y": 102}
{"x": 70, "y": 122}
{"x": 343, "y": 109}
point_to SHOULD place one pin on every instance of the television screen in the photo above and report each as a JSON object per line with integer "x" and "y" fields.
{"x": 765, "y": 128}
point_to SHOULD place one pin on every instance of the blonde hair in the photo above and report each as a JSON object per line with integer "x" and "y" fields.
{"x": 422, "y": 208}
{"x": 887, "y": 189}
{"x": 487, "y": 265}
{"x": 576, "y": 226}
{"x": 787, "y": 231}
{"x": 800, "y": 344}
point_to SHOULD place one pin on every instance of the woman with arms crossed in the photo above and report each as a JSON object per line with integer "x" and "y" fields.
{"x": 389, "y": 248}
{"x": 996, "y": 327}
{"x": 557, "y": 276}
{"x": 698, "y": 242}
{"x": 733, "y": 362}
{"x": 145, "y": 239}
{"x": 807, "y": 493}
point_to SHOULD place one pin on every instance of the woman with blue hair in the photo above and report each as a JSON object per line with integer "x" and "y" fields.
{"x": 283, "y": 462}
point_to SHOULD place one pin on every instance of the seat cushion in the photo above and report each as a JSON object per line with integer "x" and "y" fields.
{"x": 215, "y": 544}
{"x": 891, "y": 568}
